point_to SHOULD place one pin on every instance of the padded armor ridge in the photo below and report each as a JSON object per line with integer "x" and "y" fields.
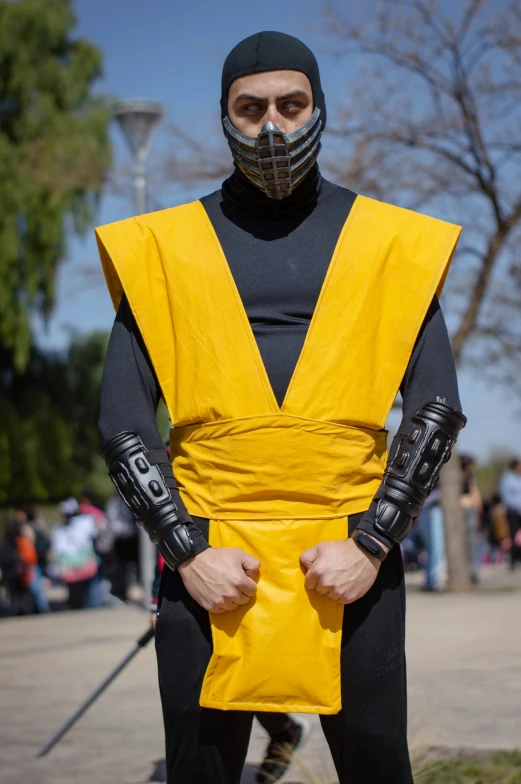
{"x": 424, "y": 448}
{"x": 142, "y": 487}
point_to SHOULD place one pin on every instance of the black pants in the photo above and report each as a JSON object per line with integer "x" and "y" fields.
{"x": 78, "y": 595}
{"x": 367, "y": 738}
{"x": 126, "y": 552}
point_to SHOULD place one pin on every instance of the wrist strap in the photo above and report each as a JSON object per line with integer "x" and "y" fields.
{"x": 364, "y": 541}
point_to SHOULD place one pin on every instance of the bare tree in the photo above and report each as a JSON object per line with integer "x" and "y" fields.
{"x": 455, "y": 144}
{"x": 430, "y": 120}
{"x": 191, "y": 160}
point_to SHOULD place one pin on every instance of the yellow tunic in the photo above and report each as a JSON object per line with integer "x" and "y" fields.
{"x": 278, "y": 480}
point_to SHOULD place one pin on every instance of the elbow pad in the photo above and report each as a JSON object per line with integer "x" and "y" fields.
{"x": 415, "y": 469}
{"x": 142, "y": 487}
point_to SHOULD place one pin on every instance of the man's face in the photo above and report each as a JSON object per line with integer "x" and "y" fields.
{"x": 281, "y": 97}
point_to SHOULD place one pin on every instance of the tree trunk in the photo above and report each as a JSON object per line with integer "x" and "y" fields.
{"x": 455, "y": 538}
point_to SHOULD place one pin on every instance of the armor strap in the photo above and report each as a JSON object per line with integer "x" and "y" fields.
{"x": 138, "y": 479}
{"x": 425, "y": 445}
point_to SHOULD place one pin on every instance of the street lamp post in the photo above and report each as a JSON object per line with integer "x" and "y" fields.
{"x": 139, "y": 120}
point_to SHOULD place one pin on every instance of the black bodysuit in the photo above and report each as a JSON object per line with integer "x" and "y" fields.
{"x": 279, "y": 253}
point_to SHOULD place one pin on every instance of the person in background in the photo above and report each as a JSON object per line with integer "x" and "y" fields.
{"x": 9, "y": 574}
{"x": 430, "y": 528}
{"x": 510, "y": 491}
{"x": 90, "y": 505}
{"x": 286, "y": 734}
{"x": 42, "y": 540}
{"x": 124, "y": 529}
{"x": 472, "y": 505}
{"x": 20, "y": 541}
{"x": 22, "y": 557}
{"x": 499, "y": 529}
{"x": 73, "y": 547}
{"x": 100, "y": 588}
{"x": 413, "y": 550}
{"x": 30, "y": 576}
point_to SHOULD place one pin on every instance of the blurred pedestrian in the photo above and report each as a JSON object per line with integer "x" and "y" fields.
{"x": 124, "y": 529}
{"x": 100, "y": 588}
{"x": 499, "y": 528}
{"x": 9, "y": 569}
{"x": 413, "y": 550}
{"x": 89, "y": 504}
{"x": 510, "y": 490}
{"x": 17, "y": 559}
{"x": 42, "y": 540}
{"x": 472, "y": 506}
{"x": 27, "y": 593}
{"x": 430, "y": 529}
{"x": 73, "y": 546}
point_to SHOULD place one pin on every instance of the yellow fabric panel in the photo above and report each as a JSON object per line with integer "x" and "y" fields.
{"x": 387, "y": 267}
{"x": 280, "y": 652}
{"x": 265, "y": 475}
{"x": 236, "y": 473}
{"x": 273, "y": 466}
{"x": 132, "y": 261}
{"x": 188, "y": 310}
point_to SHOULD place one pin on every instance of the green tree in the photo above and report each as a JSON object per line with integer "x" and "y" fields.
{"x": 54, "y": 157}
{"x": 48, "y": 424}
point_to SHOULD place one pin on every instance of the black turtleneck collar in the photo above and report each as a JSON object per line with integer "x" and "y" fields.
{"x": 239, "y": 193}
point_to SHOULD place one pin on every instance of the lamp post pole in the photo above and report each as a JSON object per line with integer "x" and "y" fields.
{"x": 139, "y": 121}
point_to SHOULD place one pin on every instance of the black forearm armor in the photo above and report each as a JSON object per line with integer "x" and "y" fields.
{"x": 423, "y": 449}
{"x": 142, "y": 487}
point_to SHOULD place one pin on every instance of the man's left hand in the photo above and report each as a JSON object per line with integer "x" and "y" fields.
{"x": 342, "y": 571}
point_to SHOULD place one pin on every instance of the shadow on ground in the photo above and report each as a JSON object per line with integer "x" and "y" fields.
{"x": 248, "y": 776}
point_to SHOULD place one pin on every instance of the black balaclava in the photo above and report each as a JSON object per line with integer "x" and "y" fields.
{"x": 272, "y": 51}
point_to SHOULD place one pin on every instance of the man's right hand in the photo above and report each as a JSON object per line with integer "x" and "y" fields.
{"x": 220, "y": 579}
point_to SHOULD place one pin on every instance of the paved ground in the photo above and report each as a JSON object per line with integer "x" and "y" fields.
{"x": 464, "y": 657}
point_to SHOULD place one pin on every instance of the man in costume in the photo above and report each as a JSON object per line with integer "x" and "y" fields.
{"x": 278, "y": 318}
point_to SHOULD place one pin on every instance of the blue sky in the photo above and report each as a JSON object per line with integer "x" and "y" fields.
{"x": 172, "y": 52}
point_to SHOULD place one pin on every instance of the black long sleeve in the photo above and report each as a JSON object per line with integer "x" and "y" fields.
{"x": 431, "y": 372}
{"x": 130, "y": 392}
{"x": 430, "y": 376}
{"x": 130, "y": 395}
{"x": 278, "y": 253}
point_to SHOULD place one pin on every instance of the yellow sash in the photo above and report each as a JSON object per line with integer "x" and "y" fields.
{"x": 277, "y": 480}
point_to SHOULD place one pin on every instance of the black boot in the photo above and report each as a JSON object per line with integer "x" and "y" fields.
{"x": 279, "y": 753}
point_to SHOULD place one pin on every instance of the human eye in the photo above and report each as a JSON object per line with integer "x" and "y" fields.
{"x": 292, "y": 107}
{"x": 252, "y": 108}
